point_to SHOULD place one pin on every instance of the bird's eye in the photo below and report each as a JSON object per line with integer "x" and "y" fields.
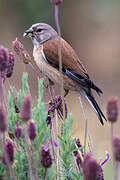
{"x": 38, "y": 30}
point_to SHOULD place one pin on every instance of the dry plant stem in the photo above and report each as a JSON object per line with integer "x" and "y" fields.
{"x": 116, "y": 170}
{"x": 86, "y": 130}
{"x": 60, "y": 56}
{"x": 114, "y": 163}
{"x": 34, "y": 163}
{"x": 35, "y": 71}
{"x": 57, "y": 131}
{"x": 28, "y": 151}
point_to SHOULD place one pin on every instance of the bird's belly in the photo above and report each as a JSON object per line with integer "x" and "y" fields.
{"x": 52, "y": 73}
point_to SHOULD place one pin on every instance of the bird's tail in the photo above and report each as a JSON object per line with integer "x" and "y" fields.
{"x": 89, "y": 96}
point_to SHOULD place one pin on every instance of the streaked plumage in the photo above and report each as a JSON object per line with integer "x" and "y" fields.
{"x": 75, "y": 77}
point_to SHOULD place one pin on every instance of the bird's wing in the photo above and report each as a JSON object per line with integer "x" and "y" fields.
{"x": 71, "y": 65}
{"x": 69, "y": 58}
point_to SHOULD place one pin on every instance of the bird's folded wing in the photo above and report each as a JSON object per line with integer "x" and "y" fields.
{"x": 69, "y": 58}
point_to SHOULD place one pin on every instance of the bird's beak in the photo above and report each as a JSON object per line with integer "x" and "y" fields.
{"x": 28, "y": 33}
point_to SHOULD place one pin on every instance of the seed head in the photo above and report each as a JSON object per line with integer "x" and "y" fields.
{"x": 3, "y": 122}
{"x": 17, "y": 46}
{"x": 91, "y": 169}
{"x": 25, "y": 114}
{"x": 46, "y": 159}
{"x": 3, "y": 59}
{"x": 112, "y": 109}
{"x": 11, "y": 60}
{"x": 56, "y": 2}
{"x": 116, "y": 144}
{"x": 8, "y": 153}
{"x": 32, "y": 130}
{"x": 56, "y": 104}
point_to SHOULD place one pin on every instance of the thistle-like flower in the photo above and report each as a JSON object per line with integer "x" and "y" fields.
{"x": 8, "y": 153}
{"x": 3, "y": 122}
{"x": 25, "y": 114}
{"x": 46, "y": 159}
{"x": 112, "y": 109}
{"x": 32, "y": 130}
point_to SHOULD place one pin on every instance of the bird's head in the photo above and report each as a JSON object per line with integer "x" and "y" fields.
{"x": 40, "y": 33}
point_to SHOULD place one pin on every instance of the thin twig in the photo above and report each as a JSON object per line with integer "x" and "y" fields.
{"x": 86, "y": 129}
{"x": 60, "y": 56}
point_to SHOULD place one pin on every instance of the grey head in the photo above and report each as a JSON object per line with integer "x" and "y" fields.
{"x": 40, "y": 33}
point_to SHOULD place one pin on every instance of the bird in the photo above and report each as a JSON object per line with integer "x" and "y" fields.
{"x": 46, "y": 42}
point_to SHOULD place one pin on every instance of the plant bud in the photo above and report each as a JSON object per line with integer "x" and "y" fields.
{"x": 11, "y": 60}
{"x": 17, "y": 46}
{"x": 8, "y": 153}
{"x": 32, "y": 130}
{"x": 18, "y": 132}
{"x": 112, "y": 109}
{"x": 25, "y": 114}
{"x": 3, "y": 122}
{"x": 91, "y": 169}
{"x": 21, "y": 51}
{"x": 46, "y": 159}
{"x": 3, "y": 59}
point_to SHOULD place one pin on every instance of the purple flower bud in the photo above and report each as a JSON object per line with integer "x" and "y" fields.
{"x": 11, "y": 60}
{"x": 56, "y": 2}
{"x": 26, "y": 109}
{"x": 8, "y": 153}
{"x": 17, "y": 46}
{"x": 91, "y": 169}
{"x": 3, "y": 123}
{"x": 112, "y": 109}
{"x": 18, "y": 132}
{"x": 31, "y": 130}
{"x": 21, "y": 51}
{"x": 3, "y": 58}
{"x": 46, "y": 159}
{"x": 116, "y": 144}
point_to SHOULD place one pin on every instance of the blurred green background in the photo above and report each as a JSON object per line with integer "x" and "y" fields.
{"x": 92, "y": 27}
